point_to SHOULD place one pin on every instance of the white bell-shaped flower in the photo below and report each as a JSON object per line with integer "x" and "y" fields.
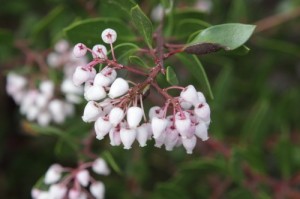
{"x": 41, "y": 100}
{"x": 143, "y": 134}
{"x": 28, "y": 101}
{"x": 160, "y": 140}
{"x": 99, "y": 51}
{"x": 44, "y": 195}
{"x": 44, "y": 118}
{"x": 127, "y": 137}
{"x": 107, "y": 106}
{"x": 182, "y": 123}
{"x": 109, "y": 36}
{"x": 54, "y": 60}
{"x": 116, "y": 115}
{"x": 114, "y": 136}
{"x": 155, "y": 111}
{"x": 91, "y": 112}
{"x": 102, "y": 80}
{"x": 202, "y": 110}
{"x": 35, "y": 193}
{"x": 61, "y": 46}
{"x": 32, "y": 113}
{"x": 15, "y": 83}
{"x": 189, "y": 144}
{"x": 189, "y": 94}
{"x": 57, "y": 191}
{"x": 118, "y": 88}
{"x": 201, "y": 131}
{"x": 67, "y": 86}
{"x": 95, "y": 93}
{"x": 171, "y": 138}
{"x": 81, "y": 75}
{"x": 97, "y": 189}
{"x": 53, "y": 174}
{"x": 79, "y": 50}
{"x": 158, "y": 125}
{"x": 110, "y": 73}
{"x": 185, "y": 105}
{"x": 200, "y": 97}
{"x": 83, "y": 177}
{"x": 87, "y": 85}
{"x": 74, "y": 193}
{"x": 102, "y": 127}
{"x": 47, "y": 88}
{"x": 134, "y": 116}
{"x": 56, "y": 108}
{"x": 100, "y": 167}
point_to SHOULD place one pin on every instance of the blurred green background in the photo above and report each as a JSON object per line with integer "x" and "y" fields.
{"x": 254, "y": 146}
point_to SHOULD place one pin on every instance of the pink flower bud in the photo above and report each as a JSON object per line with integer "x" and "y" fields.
{"x": 189, "y": 144}
{"x": 95, "y": 93}
{"x": 143, "y": 134}
{"x": 171, "y": 138}
{"x": 202, "y": 110}
{"x": 57, "y": 191}
{"x": 97, "y": 189}
{"x": 83, "y": 177}
{"x": 189, "y": 94}
{"x": 155, "y": 111}
{"x": 80, "y": 75}
{"x": 102, "y": 127}
{"x": 127, "y": 137}
{"x": 114, "y": 136}
{"x": 183, "y": 123}
{"x": 53, "y": 174}
{"x": 134, "y": 116}
{"x": 109, "y": 36}
{"x": 118, "y": 88}
{"x": 100, "y": 167}
{"x": 79, "y": 50}
{"x": 116, "y": 115}
{"x": 100, "y": 51}
{"x": 158, "y": 126}
{"x": 61, "y": 46}
{"x": 91, "y": 112}
{"x": 201, "y": 131}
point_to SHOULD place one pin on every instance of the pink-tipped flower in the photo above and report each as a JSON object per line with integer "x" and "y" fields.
{"x": 201, "y": 131}
{"x": 143, "y": 134}
{"x": 57, "y": 191}
{"x": 116, "y": 115}
{"x": 100, "y": 167}
{"x": 109, "y": 36}
{"x": 155, "y": 111}
{"x": 134, "y": 116}
{"x": 83, "y": 177}
{"x": 97, "y": 189}
{"x": 189, "y": 94}
{"x": 110, "y": 73}
{"x": 91, "y": 112}
{"x": 160, "y": 140}
{"x": 202, "y": 110}
{"x": 158, "y": 125}
{"x": 118, "y": 88}
{"x": 127, "y": 137}
{"x": 53, "y": 174}
{"x": 81, "y": 75}
{"x": 102, "y": 127}
{"x": 99, "y": 51}
{"x": 183, "y": 123}
{"x": 171, "y": 138}
{"x": 114, "y": 136}
{"x": 79, "y": 50}
{"x": 95, "y": 93}
{"x": 189, "y": 144}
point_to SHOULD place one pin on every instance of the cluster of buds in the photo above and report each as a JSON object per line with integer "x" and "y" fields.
{"x": 42, "y": 100}
{"x": 117, "y": 109}
{"x": 78, "y": 183}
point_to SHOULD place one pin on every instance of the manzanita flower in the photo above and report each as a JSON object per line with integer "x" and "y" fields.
{"x": 109, "y": 36}
{"x": 118, "y": 88}
{"x": 79, "y": 50}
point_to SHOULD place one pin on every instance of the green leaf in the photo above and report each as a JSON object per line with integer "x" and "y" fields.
{"x": 89, "y": 31}
{"x": 111, "y": 161}
{"x": 124, "y": 51}
{"x": 193, "y": 64}
{"x": 6, "y": 41}
{"x": 143, "y": 24}
{"x": 125, "y": 5}
{"x": 171, "y": 76}
{"x": 138, "y": 61}
{"x": 186, "y": 27}
{"x": 227, "y": 36}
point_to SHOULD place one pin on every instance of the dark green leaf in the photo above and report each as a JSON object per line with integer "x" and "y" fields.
{"x": 193, "y": 64}
{"x": 171, "y": 76}
{"x": 138, "y": 61}
{"x": 143, "y": 24}
{"x": 89, "y": 31}
{"x": 111, "y": 161}
{"x": 125, "y": 5}
{"x": 124, "y": 51}
{"x": 229, "y": 36}
{"x": 186, "y": 27}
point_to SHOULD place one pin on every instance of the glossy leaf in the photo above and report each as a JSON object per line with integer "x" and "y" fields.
{"x": 193, "y": 64}
{"x": 89, "y": 31}
{"x": 111, "y": 161}
{"x": 143, "y": 24}
{"x": 138, "y": 61}
{"x": 171, "y": 76}
{"x": 227, "y": 36}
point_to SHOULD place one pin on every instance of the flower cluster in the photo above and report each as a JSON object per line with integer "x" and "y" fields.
{"x": 117, "y": 109}
{"x": 78, "y": 183}
{"x": 39, "y": 97}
